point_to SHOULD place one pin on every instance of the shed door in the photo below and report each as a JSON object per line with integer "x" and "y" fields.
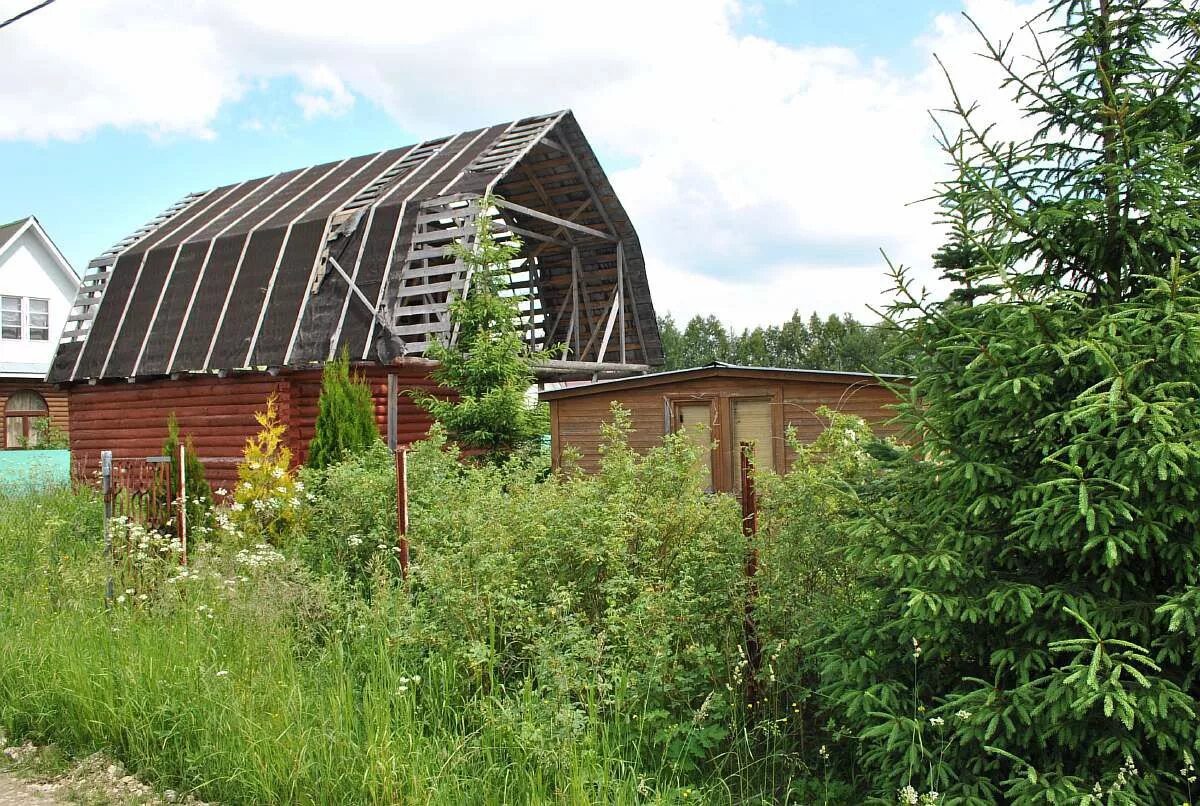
{"x": 751, "y": 422}
{"x": 695, "y": 421}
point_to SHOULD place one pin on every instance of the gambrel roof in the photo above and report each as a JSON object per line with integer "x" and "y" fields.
{"x": 289, "y": 269}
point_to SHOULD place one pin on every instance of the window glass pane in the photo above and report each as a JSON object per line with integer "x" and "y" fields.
{"x": 14, "y": 431}
{"x": 25, "y": 401}
{"x": 10, "y": 317}
{"x": 39, "y": 319}
{"x": 752, "y": 424}
{"x": 694, "y": 420}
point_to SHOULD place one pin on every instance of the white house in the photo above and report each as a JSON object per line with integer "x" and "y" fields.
{"x": 37, "y": 291}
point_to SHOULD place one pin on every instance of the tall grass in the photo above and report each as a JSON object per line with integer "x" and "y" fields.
{"x": 570, "y": 641}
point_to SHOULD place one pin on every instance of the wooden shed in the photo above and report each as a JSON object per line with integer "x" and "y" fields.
{"x": 720, "y": 405}
{"x": 249, "y": 288}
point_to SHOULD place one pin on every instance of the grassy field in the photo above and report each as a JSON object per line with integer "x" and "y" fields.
{"x": 570, "y": 641}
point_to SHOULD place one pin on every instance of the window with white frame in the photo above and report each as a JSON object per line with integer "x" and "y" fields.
{"x": 39, "y": 319}
{"x": 24, "y": 318}
{"x": 12, "y": 315}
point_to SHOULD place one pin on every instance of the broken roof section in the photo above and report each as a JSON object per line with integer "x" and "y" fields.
{"x": 289, "y": 269}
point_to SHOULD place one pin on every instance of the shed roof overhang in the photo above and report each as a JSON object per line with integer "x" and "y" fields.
{"x": 719, "y": 369}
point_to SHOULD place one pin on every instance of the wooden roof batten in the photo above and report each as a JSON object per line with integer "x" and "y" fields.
{"x": 362, "y": 255}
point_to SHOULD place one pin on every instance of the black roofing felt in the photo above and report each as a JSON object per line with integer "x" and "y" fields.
{"x": 226, "y": 281}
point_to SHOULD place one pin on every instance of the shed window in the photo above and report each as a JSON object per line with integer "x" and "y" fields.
{"x": 20, "y": 411}
{"x": 751, "y": 422}
{"x": 694, "y": 421}
{"x": 11, "y": 314}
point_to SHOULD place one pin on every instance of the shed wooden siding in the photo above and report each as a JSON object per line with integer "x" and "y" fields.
{"x": 576, "y": 420}
{"x": 56, "y": 401}
{"x": 218, "y": 414}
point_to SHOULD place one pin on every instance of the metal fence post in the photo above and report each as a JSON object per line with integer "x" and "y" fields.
{"x": 750, "y": 530}
{"x": 106, "y": 492}
{"x": 402, "y": 508}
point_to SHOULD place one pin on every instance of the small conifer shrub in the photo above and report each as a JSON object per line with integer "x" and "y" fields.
{"x": 490, "y": 366}
{"x": 197, "y": 490}
{"x": 268, "y": 497}
{"x": 346, "y": 416}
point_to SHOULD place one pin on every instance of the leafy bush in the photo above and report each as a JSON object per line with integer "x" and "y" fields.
{"x": 490, "y": 367}
{"x": 267, "y": 500}
{"x": 345, "y": 416}
{"x": 563, "y": 638}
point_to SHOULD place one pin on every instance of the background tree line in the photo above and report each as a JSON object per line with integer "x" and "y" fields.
{"x": 836, "y": 343}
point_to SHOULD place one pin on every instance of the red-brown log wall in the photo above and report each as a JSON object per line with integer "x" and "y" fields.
{"x": 56, "y": 401}
{"x": 130, "y": 419}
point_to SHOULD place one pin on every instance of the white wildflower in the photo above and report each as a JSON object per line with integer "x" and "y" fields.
{"x": 908, "y": 796}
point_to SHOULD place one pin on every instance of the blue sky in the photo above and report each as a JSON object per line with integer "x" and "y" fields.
{"x": 108, "y": 156}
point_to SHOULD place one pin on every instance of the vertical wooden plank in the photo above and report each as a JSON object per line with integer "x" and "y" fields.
{"x": 621, "y": 294}
{"x": 393, "y": 405}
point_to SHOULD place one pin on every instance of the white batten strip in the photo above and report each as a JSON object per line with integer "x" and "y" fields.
{"x": 366, "y": 225}
{"x": 262, "y": 314}
{"x": 237, "y": 269}
{"x": 137, "y": 277}
{"x": 167, "y": 282}
{"x": 112, "y": 267}
{"x": 287, "y": 356}
{"x": 520, "y": 155}
{"x": 460, "y": 174}
{"x": 187, "y": 314}
{"x": 400, "y": 224}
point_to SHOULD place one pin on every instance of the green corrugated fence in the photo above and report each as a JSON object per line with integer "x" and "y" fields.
{"x": 24, "y": 471}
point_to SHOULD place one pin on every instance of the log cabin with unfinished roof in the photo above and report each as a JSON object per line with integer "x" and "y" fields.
{"x": 242, "y": 291}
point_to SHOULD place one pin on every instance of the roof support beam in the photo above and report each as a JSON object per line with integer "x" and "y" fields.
{"x": 562, "y": 222}
{"x": 357, "y": 293}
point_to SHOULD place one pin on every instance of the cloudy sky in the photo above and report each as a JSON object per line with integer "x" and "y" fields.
{"x": 767, "y": 151}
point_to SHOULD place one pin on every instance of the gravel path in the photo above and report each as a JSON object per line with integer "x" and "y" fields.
{"x": 18, "y": 793}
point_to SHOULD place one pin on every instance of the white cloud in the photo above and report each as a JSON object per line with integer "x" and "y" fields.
{"x": 761, "y": 177}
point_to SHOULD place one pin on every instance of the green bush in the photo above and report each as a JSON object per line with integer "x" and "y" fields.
{"x": 345, "y": 416}
{"x": 570, "y": 638}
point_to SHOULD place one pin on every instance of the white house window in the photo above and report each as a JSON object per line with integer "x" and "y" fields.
{"x": 11, "y": 316}
{"x": 39, "y": 319}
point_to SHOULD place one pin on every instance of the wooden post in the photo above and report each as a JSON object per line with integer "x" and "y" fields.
{"x": 183, "y": 500}
{"x": 621, "y": 294}
{"x": 402, "y": 508}
{"x": 107, "y": 492}
{"x": 750, "y": 530}
{"x": 393, "y": 409}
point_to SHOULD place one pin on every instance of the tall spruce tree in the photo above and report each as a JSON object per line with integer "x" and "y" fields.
{"x": 345, "y": 416}
{"x": 490, "y": 365}
{"x": 1037, "y": 554}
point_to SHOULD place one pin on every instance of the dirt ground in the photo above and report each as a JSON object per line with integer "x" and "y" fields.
{"x": 18, "y": 793}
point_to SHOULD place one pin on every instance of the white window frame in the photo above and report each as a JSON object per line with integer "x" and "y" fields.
{"x": 5, "y": 299}
{"x": 30, "y": 313}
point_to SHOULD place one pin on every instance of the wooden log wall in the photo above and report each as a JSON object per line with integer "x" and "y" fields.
{"x": 576, "y": 420}
{"x": 130, "y": 419}
{"x": 56, "y": 402}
